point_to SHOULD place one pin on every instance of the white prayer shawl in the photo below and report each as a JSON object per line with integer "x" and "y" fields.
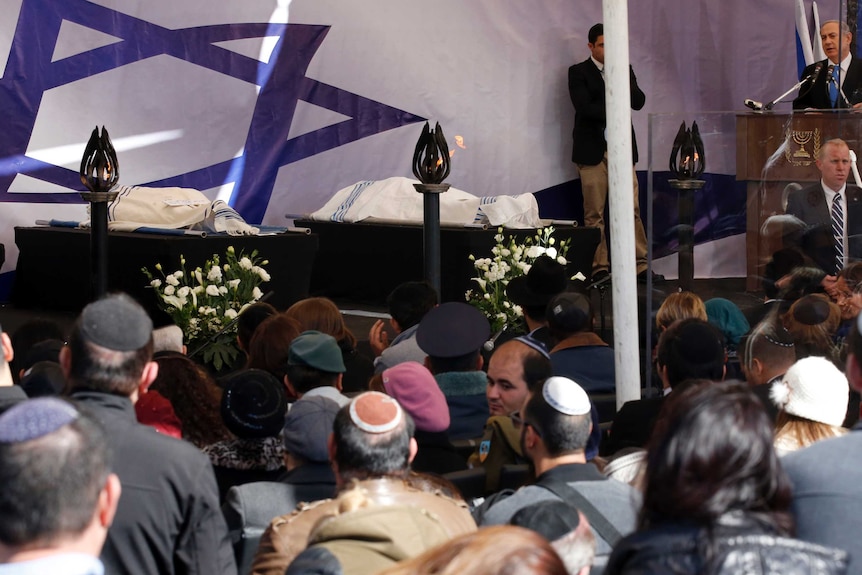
{"x": 396, "y": 200}
{"x": 173, "y": 208}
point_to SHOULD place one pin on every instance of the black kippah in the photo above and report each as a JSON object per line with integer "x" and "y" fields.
{"x": 254, "y": 404}
{"x": 811, "y": 311}
{"x": 35, "y": 418}
{"x": 116, "y": 322}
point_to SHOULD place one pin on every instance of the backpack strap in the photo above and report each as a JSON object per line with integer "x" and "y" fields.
{"x": 574, "y": 498}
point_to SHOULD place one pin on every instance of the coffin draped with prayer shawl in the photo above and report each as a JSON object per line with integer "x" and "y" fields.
{"x": 395, "y": 200}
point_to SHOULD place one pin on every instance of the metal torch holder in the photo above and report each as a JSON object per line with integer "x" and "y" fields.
{"x": 685, "y": 230}
{"x": 431, "y": 230}
{"x": 98, "y": 240}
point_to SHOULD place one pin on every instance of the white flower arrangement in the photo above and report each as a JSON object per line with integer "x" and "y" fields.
{"x": 204, "y": 301}
{"x": 509, "y": 259}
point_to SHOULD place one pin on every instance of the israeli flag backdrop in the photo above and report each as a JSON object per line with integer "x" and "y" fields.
{"x": 274, "y": 105}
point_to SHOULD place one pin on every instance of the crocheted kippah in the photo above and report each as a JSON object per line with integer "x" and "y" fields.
{"x": 35, "y": 418}
{"x": 566, "y": 396}
{"x": 375, "y": 412}
{"x": 254, "y": 404}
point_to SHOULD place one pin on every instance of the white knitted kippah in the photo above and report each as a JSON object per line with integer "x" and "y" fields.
{"x": 566, "y": 396}
{"x": 815, "y": 389}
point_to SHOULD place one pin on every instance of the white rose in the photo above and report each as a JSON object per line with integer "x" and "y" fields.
{"x": 245, "y": 263}
{"x": 169, "y": 290}
{"x": 230, "y": 313}
{"x": 183, "y": 291}
{"x": 212, "y": 290}
{"x": 551, "y": 252}
{"x": 178, "y": 274}
{"x": 222, "y": 290}
{"x": 171, "y": 280}
{"x": 518, "y": 311}
{"x": 263, "y": 274}
{"x": 505, "y": 252}
{"x": 214, "y": 274}
{"x": 156, "y": 283}
{"x": 198, "y": 290}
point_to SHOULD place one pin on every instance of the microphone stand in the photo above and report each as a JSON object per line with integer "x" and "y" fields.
{"x": 795, "y": 86}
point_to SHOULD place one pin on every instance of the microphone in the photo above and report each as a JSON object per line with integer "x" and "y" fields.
{"x": 753, "y": 104}
{"x": 817, "y": 67}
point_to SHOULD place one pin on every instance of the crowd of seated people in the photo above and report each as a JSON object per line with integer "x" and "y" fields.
{"x": 461, "y": 454}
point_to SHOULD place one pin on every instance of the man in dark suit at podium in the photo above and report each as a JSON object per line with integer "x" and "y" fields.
{"x": 833, "y": 237}
{"x": 590, "y": 151}
{"x": 835, "y": 82}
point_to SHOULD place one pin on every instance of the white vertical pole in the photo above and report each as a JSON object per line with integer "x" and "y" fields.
{"x": 620, "y": 186}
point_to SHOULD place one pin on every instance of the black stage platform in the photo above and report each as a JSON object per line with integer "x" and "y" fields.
{"x": 364, "y": 262}
{"x": 53, "y": 266}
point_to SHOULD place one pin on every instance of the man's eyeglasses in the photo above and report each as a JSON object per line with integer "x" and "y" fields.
{"x": 520, "y": 424}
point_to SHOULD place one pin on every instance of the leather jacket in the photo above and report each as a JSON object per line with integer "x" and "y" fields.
{"x": 736, "y": 546}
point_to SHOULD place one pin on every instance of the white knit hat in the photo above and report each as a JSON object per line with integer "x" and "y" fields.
{"x": 815, "y": 389}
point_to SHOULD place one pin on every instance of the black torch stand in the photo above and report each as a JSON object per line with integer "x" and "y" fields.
{"x": 685, "y": 233}
{"x": 431, "y": 230}
{"x": 98, "y": 240}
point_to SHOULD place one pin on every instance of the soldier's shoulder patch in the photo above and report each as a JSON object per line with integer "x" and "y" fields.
{"x": 484, "y": 449}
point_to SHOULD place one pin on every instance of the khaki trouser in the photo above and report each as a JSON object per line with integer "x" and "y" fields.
{"x": 594, "y": 182}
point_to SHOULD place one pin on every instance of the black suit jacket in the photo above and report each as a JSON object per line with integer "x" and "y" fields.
{"x": 633, "y": 424}
{"x": 587, "y": 91}
{"x": 815, "y": 94}
{"x": 809, "y": 205}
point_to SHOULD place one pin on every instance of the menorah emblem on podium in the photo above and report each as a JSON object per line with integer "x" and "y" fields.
{"x": 802, "y": 155}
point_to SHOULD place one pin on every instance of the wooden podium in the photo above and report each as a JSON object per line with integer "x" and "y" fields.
{"x": 774, "y": 150}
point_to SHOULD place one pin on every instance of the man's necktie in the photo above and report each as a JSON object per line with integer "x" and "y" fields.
{"x": 833, "y": 84}
{"x": 838, "y": 231}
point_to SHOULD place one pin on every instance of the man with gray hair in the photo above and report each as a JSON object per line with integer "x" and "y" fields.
{"x": 58, "y": 496}
{"x": 383, "y": 512}
{"x": 168, "y": 521}
{"x": 555, "y": 426}
{"x": 836, "y": 81}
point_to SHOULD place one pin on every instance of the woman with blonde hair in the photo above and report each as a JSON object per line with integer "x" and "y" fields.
{"x": 679, "y": 305}
{"x": 812, "y": 398}
{"x": 498, "y": 550}
{"x": 321, "y": 314}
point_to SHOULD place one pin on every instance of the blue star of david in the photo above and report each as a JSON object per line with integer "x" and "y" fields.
{"x": 30, "y": 72}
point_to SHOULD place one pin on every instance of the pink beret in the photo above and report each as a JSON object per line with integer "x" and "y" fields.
{"x": 418, "y": 393}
